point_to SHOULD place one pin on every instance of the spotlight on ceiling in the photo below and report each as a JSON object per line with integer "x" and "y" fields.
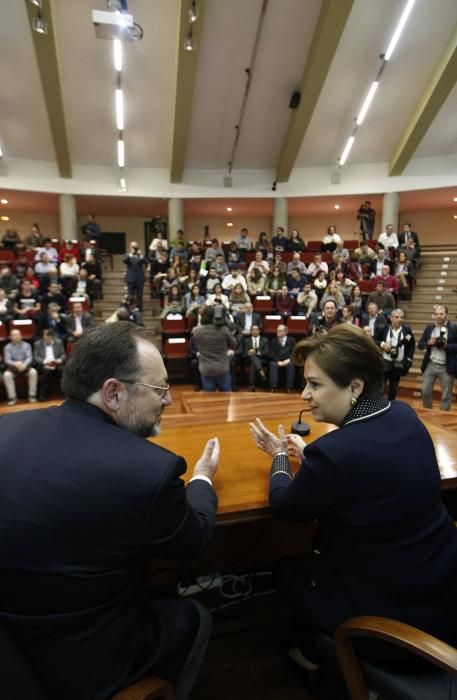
{"x": 37, "y": 3}
{"x": 189, "y": 42}
{"x": 39, "y": 25}
{"x": 192, "y": 12}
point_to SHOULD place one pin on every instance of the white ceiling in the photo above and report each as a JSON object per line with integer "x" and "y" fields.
{"x": 225, "y": 48}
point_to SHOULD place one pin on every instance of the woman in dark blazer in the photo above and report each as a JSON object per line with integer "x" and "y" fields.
{"x": 385, "y": 543}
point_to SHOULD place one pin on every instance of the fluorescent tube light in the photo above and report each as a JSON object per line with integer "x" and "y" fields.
{"x": 399, "y": 29}
{"x": 117, "y": 54}
{"x": 347, "y": 149}
{"x": 119, "y": 109}
{"x": 367, "y": 103}
{"x": 120, "y": 153}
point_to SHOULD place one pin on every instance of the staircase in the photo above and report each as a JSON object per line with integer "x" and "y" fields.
{"x": 114, "y": 290}
{"x": 435, "y": 281}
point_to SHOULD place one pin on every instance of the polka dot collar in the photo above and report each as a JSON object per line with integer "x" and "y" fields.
{"x": 367, "y": 407}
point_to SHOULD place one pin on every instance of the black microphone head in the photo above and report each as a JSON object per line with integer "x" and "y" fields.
{"x": 299, "y": 428}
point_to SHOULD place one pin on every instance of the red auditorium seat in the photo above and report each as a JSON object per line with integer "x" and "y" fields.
{"x": 26, "y": 326}
{"x": 263, "y": 304}
{"x": 271, "y": 323}
{"x": 297, "y": 325}
{"x": 174, "y": 325}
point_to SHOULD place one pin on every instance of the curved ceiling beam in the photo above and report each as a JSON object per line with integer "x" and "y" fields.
{"x": 185, "y": 83}
{"x": 48, "y": 66}
{"x": 329, "y": 28}
{"x": 443, "y": 80}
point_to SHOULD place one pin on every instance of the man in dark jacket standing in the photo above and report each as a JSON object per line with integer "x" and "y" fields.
{"x": 281, "y": 356}
{"x": 85, "y": 502}
{"x": 136, "y": 263}
{"x": 216, "y": 346}
{"x": 439, "y": 340}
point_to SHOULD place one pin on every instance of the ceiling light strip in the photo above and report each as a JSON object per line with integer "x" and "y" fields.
{"x": 375, "y": 84}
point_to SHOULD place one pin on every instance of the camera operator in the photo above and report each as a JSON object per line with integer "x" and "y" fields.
{"x": 398, "y": 345}
{"x": 216, "y": 345}
{"x": 328, "y": 319}
{"x": 439, "y": 340}
{"x": 134, "y": 277}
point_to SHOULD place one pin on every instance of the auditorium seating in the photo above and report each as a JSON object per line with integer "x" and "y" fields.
{"x": 175, "y": 351}
{"x": 271, "y": 323}
{"x": 174, "y": 324}
{"x": 26, "y": 326}
{"x": 263, "y": 304}
{"x": 297, "y": 325}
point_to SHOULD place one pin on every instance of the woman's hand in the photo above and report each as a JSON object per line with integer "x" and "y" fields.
{"x": 295, "y": 446}
{"x": 267, "y": 441}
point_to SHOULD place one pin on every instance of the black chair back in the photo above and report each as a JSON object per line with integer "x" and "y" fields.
{"x": 17, "y": 682}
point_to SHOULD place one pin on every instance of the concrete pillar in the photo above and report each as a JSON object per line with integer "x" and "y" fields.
{"x": 390, "y": 211}
{"x": 280, "y": 215}
{"x": 67, "y": 218}
{"x": 175, "y": 217}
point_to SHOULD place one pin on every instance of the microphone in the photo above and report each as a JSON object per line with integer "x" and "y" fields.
{"x": 299, "y": 428}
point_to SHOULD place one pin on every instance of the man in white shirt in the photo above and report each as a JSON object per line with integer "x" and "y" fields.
{"x": 296, "y": 264}
{"x": 234, "y": 278}
{"x": 260, "y": 264}
{"x": 316, "y": 266}
{"x": 389, "y": 238}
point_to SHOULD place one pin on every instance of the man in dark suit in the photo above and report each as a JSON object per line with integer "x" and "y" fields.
{"x": 408, "y": 234}
{"x": 136, "y": 263}
{"x": 374, "y": 322}
{"x": 439, "y": 340}
{"x": 77, "y": 322}
{"x": 398, "y": 344}
{"x": 49, "y": 358}
{"x": 256, "y": 349}
{"x": 76, "y": 546}
{"x": 246, "y": 319}
{"x": 281, "y": 356}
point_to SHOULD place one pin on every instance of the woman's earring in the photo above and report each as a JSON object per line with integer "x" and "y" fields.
{"x": 353, "y": 401}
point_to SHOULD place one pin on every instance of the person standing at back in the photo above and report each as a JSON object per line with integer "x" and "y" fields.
{"x": 439, "y": 340}
{"x": 85, "y": 503}
{"x": 136, "y": 263}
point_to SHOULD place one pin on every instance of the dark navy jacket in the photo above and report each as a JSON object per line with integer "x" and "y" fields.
{"x": 451, "y": 347}
{"x": 385, "y": 544}
{"x": 84, "y": 505}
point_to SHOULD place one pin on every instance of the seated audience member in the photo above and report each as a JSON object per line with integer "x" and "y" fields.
{"x": 296, "y": 264}
{"x": 173, "y": 303}
{"x": 49, "y": 358}
{"x": 385, "y": 544}
{"x": 26, "y": 303}
{"x": 51, "y": 252}
{"x": 32, "y": 278}
{"x": 340, "y": 252}
{"x": 191, "y": 279}
{"x": 330, "y": 240}
{"x": 274, "y": 281}
{"x": 390, "y": 281}
{"x": 295, "y": 283}
{"x": 256, "y": 282}
{"x": 246, "y": 319}
{"x": 255, "y": 348}
{"x": 17, "y": 358}
{"x": 279, "y": 262}
{"x": 221, "y": 266}
{"x": 365, "y": 254}
{"x": 243, "y": 242}
{"x": 355, "y": 267}
{"x": 54, "y": 295}
{"x": 382, "y": 298}
{"x": 233, "y": 256}
{"x": 284, "y": 302}
{"x": 378, "y": 263}
{"x": 238, "y": 299}
{"x": 374, "y": 321}
{"x": 260, "y": 264}
{"x": 348, "y": 316}
{"x": 78, "y": 321}
{"x": 357, "y": 301}
{"x": 280, "y": 240}
{"x": 94, "y": 277}
{"x": 327, "y": 320}
{"x": 179, "y": 239}
{"x": 404, "y": 273}
{"x": 389, "y": 240}
{"x": 318, "y": 265}
{"x": 307, "y": 300}
{"x": 35, "y": 238}
{"x": 43, "y": 269}
{"x": 412, "y": 254}
{"x": 263, "y": 244}
{"x": 409, "y": 235}
{"x": 233, "y": 279}
{"x": 69, "y": 270}
{"x": 398, "y": 344}
{"x": 213, "y": 251}
{"x": 11, "y": 238}
{"x": 159, "y": 266}
{"x": 6, "y": 307}
{"x": 281, "y": 348}
{"x": 159, "y": 238}
{"x": 8, "y": 281}
{"x": 83, "y": 287}
{"x": 333, "y": 291}
{"x": 216, "y": 345}
{"x": 345, "y": 285}
{"x": 210, "y": 281}
{"x": 20, "y": 266}
{"x": 320, "y": 284}
{"x": 180, "y": 267}
{"x": 217, "y": 297}
{"x": 71, "y": 248}
{"x": 193, "y": 300}
{"x": 54, "y": 319}
{"x": 295, "y": 242}
{"x": 168, "y": 281}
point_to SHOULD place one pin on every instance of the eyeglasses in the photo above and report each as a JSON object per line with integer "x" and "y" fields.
{"x": 162, "y": 389}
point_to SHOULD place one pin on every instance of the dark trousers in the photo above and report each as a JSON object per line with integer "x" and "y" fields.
{"x": 256, "y": 365}
{"x": 44, "y": 374}
{"x": 136, "y": 289}
{"x": 290, "y": 374}
{"x": 392, "y": 376}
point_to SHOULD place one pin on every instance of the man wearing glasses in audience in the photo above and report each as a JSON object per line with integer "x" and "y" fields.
{"x": 104, "y": 501}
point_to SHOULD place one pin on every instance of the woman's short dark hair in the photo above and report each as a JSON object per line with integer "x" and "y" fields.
{"x": 108, "y": 350}
{"x": 344, "y": 353}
